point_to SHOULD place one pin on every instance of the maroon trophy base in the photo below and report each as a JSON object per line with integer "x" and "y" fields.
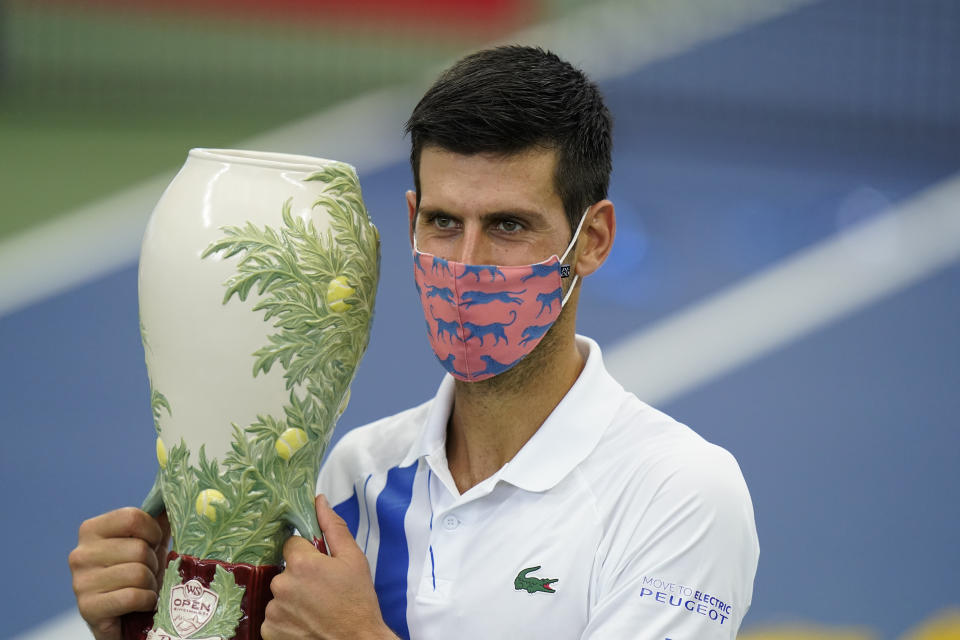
{"x": 255, "y": 579}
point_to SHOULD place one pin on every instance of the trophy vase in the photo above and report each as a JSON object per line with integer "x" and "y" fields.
{"x": 257, "y": 280}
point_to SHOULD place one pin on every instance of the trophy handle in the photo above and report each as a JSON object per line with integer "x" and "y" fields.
{"x": 308, "y": 530}
{"x": 136, "y": 625}
{"x": 153, "y": 503}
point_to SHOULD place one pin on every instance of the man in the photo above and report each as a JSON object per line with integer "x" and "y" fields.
{"x": 532, "y": 496}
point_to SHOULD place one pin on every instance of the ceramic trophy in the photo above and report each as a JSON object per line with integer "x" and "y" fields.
{"x": 257, "y": 280}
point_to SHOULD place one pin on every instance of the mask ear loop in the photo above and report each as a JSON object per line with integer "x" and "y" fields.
{"x": 414, "y": 232}
{"x": 573, "y": 241}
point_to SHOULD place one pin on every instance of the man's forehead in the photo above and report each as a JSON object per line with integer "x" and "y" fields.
{"x": 524, "y": 180}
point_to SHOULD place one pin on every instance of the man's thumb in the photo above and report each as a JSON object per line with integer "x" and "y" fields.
{"x": 336, "y": 534}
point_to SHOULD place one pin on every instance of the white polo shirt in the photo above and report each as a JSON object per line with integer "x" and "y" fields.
{"x": 613, "y": 521}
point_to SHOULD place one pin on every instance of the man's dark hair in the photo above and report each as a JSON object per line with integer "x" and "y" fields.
{"x": 511, "y": 99}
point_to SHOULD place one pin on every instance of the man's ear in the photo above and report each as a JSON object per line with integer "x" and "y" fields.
{"x": 411, "y": 211}
{"x": 596, "y": 238}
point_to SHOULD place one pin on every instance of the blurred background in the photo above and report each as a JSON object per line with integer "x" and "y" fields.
{"x": 786, "y": 278}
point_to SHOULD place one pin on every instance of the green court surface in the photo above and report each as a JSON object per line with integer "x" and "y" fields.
{"x": 54, "y": 162}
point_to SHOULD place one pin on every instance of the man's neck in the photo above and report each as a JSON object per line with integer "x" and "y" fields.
{"x": 492, "y": 420}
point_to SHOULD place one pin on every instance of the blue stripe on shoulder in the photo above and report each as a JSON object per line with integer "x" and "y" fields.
{"x": 349, "y": 510}
{"x": 393, "y": 558}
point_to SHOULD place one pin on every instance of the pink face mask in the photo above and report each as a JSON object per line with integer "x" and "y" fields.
{"x": 483, "y": 319}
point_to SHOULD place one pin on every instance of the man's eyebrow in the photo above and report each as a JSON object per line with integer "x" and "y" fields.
{"x": 486, "y": 217}
{"x": 513, "y": 213}
{"x": 530, "y": 216}
{"x": 434, "y": 211}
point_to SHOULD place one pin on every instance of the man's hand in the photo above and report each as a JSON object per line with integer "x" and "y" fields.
{"x": 320, "y": 596}
{"x": 116, "y": 567}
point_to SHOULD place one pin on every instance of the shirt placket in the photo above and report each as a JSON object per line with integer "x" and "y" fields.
{"x": 451, "y": 532}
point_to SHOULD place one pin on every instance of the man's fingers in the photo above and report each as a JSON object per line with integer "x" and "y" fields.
{"x": 102, "y": 606}
{"x": 106, "y": 553}
{"x": 294, "y": 546}
{"x": 335, "y": 531}
{"x": 131, "y": 575}
{"x": 128, "y": 522}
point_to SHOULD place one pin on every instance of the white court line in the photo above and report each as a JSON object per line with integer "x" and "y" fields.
{"x": 605, "y": 39}
{"x": 802, "y": 293}
{"x": 610, "y": 39}
{"x": 65, "y": 626}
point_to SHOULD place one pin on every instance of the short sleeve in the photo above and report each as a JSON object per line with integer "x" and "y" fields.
{"x": 681, "y": 554}
{"x": 333, "y": 480}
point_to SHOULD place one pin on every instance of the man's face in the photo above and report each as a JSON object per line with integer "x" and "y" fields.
{"x": 489, "y": 209}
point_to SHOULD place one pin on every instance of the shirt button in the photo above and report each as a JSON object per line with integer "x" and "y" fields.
{"x": 451, "y": 522}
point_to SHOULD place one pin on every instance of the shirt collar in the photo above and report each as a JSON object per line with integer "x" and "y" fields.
{"x": 571, "y": 432}
{"x": 563, "y": 441}
{"x": 433, "y": 435}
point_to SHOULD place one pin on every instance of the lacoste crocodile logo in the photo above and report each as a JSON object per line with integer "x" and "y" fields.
{"x": 533, "y": 584}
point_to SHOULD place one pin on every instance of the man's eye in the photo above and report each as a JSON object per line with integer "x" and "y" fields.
{"x": 442, "y": 222}
{"x": 509, "y": 226}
